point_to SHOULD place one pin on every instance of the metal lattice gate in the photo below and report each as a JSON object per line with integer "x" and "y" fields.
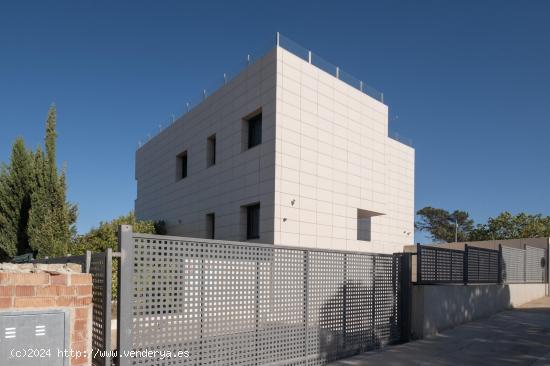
{"x": 101, "y": 270}
{"x": 201, "y": 302}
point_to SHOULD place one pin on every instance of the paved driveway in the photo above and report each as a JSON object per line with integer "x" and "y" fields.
{"x": 514, "y": 337}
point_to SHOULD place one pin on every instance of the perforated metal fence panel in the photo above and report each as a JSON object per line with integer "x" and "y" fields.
{"x": 439, "y": 265}
{"x": 479, "y": 265}
{"x": 100, "y": 268}
{"x": 535, "y": 263}
{"x": 513, "y": 265}
{"x": 243, "y": 304}
{"x": 483, "y": 265}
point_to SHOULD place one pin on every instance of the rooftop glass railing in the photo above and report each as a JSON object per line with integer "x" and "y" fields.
{"x": 296, "y": 49}
{"x": 319, "y": 62}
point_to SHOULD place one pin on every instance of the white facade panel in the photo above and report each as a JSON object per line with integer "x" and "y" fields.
{"x": 325, "y": 154}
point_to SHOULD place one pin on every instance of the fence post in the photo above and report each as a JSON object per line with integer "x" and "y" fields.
{"x": 405, "y": 269}
{"x": 418, "y": 264}
{"x": 499, "y": 278}
{"x": 435, "y": 267}
{"x": 524, "y": 263}
{"x": 373, "y": 295}
{"x": 88, "y": 261}
{"x": 107, "y": 287}
{"x": 306, "y": 302}
{"x": 451, "y": 267}
{"x": 547, "y": 274}
{"x": 124, "y": 305}
{"x": 465, "y": 265}
{"x": 345, "y": 301}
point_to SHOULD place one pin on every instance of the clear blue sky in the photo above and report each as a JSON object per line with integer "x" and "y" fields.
{"x": 467, "y": 81}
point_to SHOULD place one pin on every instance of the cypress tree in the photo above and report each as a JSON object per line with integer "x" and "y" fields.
{"x": 51, "y": 217}
{"x": 34, "y": 212}
{"x": 16, "y": 187}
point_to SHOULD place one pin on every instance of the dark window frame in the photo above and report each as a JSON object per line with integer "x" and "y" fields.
{"x": 211, "y": 225}
{"x": 253, "y": 221}
{"x": 211, "y": 143}
{"x": 182, "y": 167}
{"x": 254, "y": 130}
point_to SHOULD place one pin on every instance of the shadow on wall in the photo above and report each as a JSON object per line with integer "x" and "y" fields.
{"x": 439, "y": 307}
{"x": 353, "y": 321}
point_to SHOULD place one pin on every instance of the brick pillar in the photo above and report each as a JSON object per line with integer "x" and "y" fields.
{"x": 35, "y": 291}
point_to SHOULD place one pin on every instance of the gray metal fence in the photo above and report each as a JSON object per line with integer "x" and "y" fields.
{"x": 99, "y": 265}
{"x": 227, "y": 303}
{"x": 439, "y": 265}
{"x": 436, "y": 265}
{"x": 513, "y": 268}
{"x": 524, "y": 265}
{"x": 481, "y": 265}
{"x": 535, "y": 263}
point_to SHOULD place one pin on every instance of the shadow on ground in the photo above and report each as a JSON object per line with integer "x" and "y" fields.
{"x": 514, "y": 337}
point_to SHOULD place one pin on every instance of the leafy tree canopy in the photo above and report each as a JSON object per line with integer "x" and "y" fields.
{"x": 106, "y": 234}
{"x": 440, "y": 224}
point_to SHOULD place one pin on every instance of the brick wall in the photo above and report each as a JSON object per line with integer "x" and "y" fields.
{"x": 73, "y": 291}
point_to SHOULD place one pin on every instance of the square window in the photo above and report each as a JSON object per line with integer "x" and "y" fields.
{"x": 252, "y": 131}
{"x": 181, "y": 166}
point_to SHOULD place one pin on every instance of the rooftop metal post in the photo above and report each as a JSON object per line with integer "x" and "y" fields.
{"x": 337, "y": 72}
{"x": 277, "y": 39}
{"x": 309, "y": 56}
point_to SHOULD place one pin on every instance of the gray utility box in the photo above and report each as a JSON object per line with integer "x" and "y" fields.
{"x": 35, "y": 338}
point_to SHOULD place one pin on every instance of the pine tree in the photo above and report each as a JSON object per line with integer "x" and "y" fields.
{"x": 51, "y": 217}
{"x": 16, "y": 186}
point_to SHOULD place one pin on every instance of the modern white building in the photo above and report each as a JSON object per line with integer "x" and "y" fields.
{"x": 284, "y": 153}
